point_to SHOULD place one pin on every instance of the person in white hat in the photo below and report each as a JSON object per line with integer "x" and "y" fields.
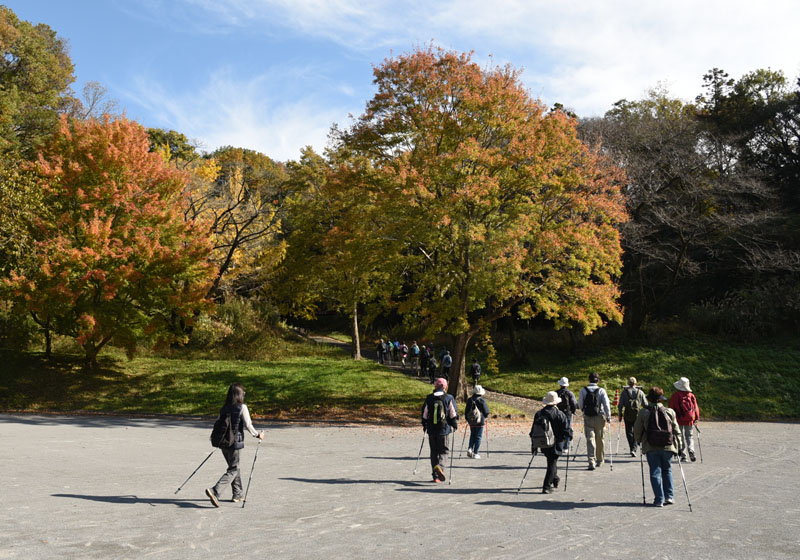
{"x": 557, "y": 421}
{"x": 476, "y": 412}
{"x": 568, "y": 405}
{"x": 684, "y": 403}
{"x": 631, "y": 402}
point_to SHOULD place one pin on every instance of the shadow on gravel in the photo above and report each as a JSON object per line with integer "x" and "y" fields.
{"x": 551, "y": 504}
{"x": 137, "y": 500}
{"x": 352, "y": 481}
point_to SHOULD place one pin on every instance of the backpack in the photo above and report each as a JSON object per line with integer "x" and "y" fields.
{"x": 438, "y": 411}
{"x": 475, "y": 370}
{"x": 686, "y": 406}
{"x": 632, "y": 406}
{"x": 542, "y": 435}
{"x": 659, "y": 427}
{"x": 222, "y": 434}
{"x": 591, "y": 403}
{"x": 474, "y": 416}
{"x": 563, "y": 406}
{"x": 447, "y": 361}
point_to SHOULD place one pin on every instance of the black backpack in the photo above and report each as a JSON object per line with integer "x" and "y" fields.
{"x": 438, "y": 413}
{"x": 659, "y": 427}
{"x": 563, "y": 406}
{"x": 222, "y": 434}
{"x": 591, "y": 403}
{"x": 475, "y": 370}
{"x": 542, "y": 435}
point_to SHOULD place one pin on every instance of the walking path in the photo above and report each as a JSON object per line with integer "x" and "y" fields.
{"x": 100, "y": 487}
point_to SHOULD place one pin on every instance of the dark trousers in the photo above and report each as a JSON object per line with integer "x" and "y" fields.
{"x": 551, "y": 474}
{"x": 629, "y": 434}
{"x": 232, "y": 476}
{"x": 439, "y": 450}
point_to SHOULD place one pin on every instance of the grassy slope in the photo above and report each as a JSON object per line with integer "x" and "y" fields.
{"x": 325, "y": 384}
{"x": 745, "y": 381}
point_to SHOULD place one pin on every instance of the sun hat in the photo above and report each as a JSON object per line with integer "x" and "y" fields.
{"x": 631, "y": 381}
{"x": 564, "y": 382}
{"x": 440, "y": 383}
{"x": 478, "y": 390}
{"x": 551, "y": 398}
{"x": 683, "y": 385}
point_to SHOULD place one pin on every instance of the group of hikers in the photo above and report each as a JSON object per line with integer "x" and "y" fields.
{"x": 661, "y": 433}
{"x": 422, "y": 359}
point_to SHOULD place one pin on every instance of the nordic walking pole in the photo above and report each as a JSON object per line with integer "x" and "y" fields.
{"x": 450, "y": 481}
{"x": 244, "y": 501}
{"x": 421, "y": 445}
{"x": 619, "y": 429}
{"x": 641, "y": 463}
{"x": 566, "y": 476}
{"x": 197, "y": 469}
{"x": 683, "y": 476}
{"x": 577, "y": 445}
{"x": 611, "y": 447}
{"x": 699, "y": 447}
{"x": 526, "y": 472}
{"x": 462, "y": 443}
{"x": 486, "y": 425}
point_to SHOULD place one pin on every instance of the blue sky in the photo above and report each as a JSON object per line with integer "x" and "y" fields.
{"x": 274, "y": 75}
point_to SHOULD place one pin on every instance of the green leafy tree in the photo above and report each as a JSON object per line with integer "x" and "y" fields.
{"x": 35, "y": 75}
{"x": 491, "y": 201}
{"x": 116, "y": 260}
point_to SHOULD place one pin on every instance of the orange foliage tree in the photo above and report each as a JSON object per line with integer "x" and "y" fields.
{"x": 491, "y": 200}
{"x": 116, "y": 259}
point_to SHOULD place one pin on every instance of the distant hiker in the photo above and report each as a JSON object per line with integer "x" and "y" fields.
{"x": 593, "y": 401}
{"x": 475, "y": 371}
{"x": 439, "y": 420}
{"x": 383, "y": 352}
{"x": 568, "y": 405}
{"x": 240, "y": 419}
{"x": 549, "y": 433}
{"x": 396, "y": 351}
{"x": 432, "y": 365}
{"x": 656, "y": 429}
{"x": 684, "y": 403}
{"x": 476, "y": 412}
{"x": 415, "y": 357}
{"x": 632, "y": 401}
{"x": 424, "y": 358}
{"x": 447, "y": 363}
{"x": 404, "y": 354}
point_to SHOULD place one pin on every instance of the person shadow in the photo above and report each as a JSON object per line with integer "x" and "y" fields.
{"x": 132, "y": 499}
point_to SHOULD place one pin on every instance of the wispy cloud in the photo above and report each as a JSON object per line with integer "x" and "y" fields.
{"x": 255, "y": 112}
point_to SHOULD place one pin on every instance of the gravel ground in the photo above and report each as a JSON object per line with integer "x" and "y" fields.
{"x": 104, "y": 487}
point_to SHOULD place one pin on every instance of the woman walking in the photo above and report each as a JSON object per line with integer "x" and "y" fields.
{"x": 240, "y": 419}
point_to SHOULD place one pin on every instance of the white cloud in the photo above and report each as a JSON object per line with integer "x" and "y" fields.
{"x": 256, "y": 113}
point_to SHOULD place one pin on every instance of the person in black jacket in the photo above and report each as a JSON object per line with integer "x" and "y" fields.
{"x": 439, "y": 420}
{"x": 240, "y": 419}
{"x": 475, "y": 372}
{"x": 476, "y": 402}
{"x": 568, "y": 405}
{"x": 558, "y": 423}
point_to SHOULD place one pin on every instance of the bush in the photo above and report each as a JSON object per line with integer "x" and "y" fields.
{"x": 17, "y": 330}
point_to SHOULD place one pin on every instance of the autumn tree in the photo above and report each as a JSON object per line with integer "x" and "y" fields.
{"x": 115, "y": 257}
{"x": 494, "y": 202}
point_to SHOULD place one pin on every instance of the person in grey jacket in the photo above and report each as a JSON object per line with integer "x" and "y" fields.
{"x": 593, "y": 402}
{"x": 630, "y": 403}
{"x": 659, "y": 457}
{"x": 476, "y": 402}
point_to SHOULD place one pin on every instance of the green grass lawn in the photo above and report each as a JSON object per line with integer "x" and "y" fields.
{"x": 323, "y": 385}
{"x": 731, "y": 381}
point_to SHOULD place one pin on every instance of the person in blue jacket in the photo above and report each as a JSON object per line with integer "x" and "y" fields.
{"x": 439, "y": 420}
{"x": 476, "y": 402}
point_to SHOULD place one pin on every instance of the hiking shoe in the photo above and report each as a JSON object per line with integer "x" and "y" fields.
{"x": 658, "y": 504}
{"x": 237, "y": 499}
{"x": 547, "y": 490}
{"x": 469, "y": 452}
{"x": 591, "y": 466}
{"x": 682, "y": 456}
{"x": 438, "y": 473}
{"x": 555, "y": 482}
{"x": 633, "y": 453}
{"x": 669, "y": 502}
{"x": 476, "y": 456}
{"x": 212, "y": 496}
{"x": 692, "y": 458}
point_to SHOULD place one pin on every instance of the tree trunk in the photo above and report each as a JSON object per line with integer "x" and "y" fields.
{"x": 457, "y": 385}
{"x": 48, "y": 343}
{"x": 356, "y": 340}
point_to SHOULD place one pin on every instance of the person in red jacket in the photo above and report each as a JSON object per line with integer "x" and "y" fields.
{"x": 684, "y": 403}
